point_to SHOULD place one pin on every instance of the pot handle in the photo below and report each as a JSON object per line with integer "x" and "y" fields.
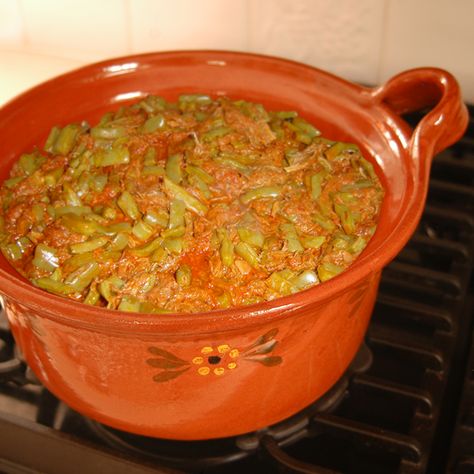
{"x": 427, "y": 87}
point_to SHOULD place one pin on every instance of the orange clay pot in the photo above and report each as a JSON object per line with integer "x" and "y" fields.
{"x": 216, "y": 374}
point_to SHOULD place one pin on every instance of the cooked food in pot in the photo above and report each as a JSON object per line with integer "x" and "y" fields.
{"x": 188, "y": 206}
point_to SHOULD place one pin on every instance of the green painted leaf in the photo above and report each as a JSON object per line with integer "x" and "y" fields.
{"x": 165, "y": 363}
{"x": 168, "y": 375}
{"x": 263, "y": 348}
{"x": 263, "y": 339}
{"x": 269, "y": 335}
{"x": 165, "y": 354}
{"x": 271, "y": 361}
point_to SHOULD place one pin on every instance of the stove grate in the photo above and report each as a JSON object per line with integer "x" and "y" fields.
{"x": 461, "y": 457}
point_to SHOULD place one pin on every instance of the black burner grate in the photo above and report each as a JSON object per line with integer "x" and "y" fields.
{"x": 399, "y": 416}
{"x": 461, "y": 459}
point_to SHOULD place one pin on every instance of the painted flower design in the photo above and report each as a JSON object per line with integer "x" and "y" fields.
{"x": 172, "y": 366}
{"x": 214, "y": 360}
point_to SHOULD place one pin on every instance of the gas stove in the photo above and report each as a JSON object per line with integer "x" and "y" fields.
{"x": 404, "y": 406}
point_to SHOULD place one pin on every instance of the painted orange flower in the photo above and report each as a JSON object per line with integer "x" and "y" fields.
{"x": 215, "y": 360}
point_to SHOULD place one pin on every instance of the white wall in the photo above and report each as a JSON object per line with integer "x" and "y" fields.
{"x": 361, "y": 40}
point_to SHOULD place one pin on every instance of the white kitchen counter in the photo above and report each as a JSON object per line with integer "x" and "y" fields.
{"x": 19, "y": 71}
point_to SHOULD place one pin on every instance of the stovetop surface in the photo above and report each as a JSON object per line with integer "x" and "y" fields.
{"x": 406, "y": 406}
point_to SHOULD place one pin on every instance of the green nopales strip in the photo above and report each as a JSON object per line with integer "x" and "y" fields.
{"x": 89, "y": 245}
{"x": 127, "y": 204}
{"x": 114, "y": 156}
{"x": 184, "y": 276}
{"x": 248, "y": 253}
{"x": 260, "y": 193}
{"x": 291, "y": 237}
{"x": 327, "y": 270}
{"x": 54, "y": 286}
{"x": 173, "y": 168}
{"x": 154, "y": 123}
{"x": 226, "y": 250}
{"x": 191, "y": 203}
{"x": 66, "y": 139}
{"x": 251, "y": 237}
{"x": 81, "y": 278}
{"x": 45, "y": 258}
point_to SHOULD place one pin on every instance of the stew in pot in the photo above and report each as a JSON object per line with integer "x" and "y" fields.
{"x": 188, "y": 206}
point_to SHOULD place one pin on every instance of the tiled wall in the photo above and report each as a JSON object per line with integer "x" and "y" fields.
{"x": 362, "y": 40}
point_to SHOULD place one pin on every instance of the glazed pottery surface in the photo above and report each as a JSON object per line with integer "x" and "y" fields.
{"x": 221, "y": 373}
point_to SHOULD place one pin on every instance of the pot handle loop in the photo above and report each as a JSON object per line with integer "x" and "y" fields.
{"x": 417, "y": 89}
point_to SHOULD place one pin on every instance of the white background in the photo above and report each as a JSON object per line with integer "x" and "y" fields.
{"x": 361, "y": 40}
